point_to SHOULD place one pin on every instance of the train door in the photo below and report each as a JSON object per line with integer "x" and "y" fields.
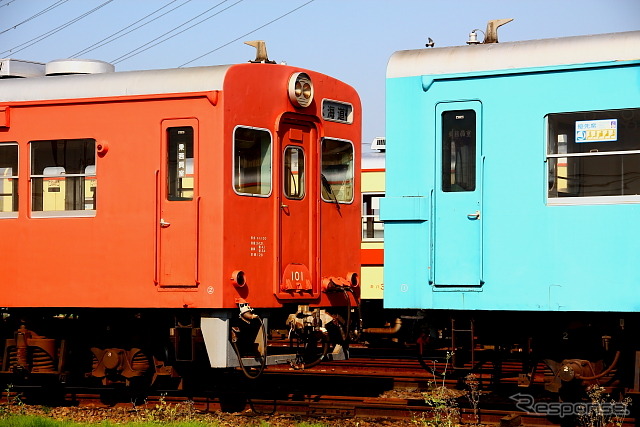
{"x": 177, "y": 217}
{"x": 298, "y": 198}
{"x": 457, "y": 256}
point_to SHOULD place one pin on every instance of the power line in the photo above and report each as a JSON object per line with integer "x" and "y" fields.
{"x": 55, "y": 30}
{"x": 42, "y": 12}
{"x": 7, "y": 3}
{"x": 100, "y": 43}
{"x": 140, "y": 49}
{"x": 246, "y": 34}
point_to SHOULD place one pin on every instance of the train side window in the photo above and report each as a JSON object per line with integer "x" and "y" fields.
{"x": 372, "y": 227}
{"x": 180, "y": 168}
{"x": 337, "y": 170}
{"x": 593, "y": 157}
{"x": 458, "y": 151}
{"x": 8, "y": 180}
{"x": 294, "y": 175}
{"x": 252, "y": 161}
{"x": 63, "y": 178}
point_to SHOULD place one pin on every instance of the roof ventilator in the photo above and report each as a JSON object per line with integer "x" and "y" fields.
{"x": 61, "y": 67}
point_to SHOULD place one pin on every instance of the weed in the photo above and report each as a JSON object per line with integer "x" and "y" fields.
{"x": 473, "y": 395}
{"x": 445, "y": 410}
{"x": 602, "y": 411}
{"x": 13, "y": 404}
{"x": 165, "y": 412}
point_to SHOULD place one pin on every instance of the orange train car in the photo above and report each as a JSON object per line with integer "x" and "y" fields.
{"x": 147, "y": 212}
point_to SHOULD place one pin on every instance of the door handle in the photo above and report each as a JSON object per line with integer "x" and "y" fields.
{"x": 475, "y": 215}
{"x": 164, "y": 224}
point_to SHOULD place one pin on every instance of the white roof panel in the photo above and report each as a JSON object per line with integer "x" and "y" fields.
{"x": 513, "y": 55}
{"x": 127, "y": 83}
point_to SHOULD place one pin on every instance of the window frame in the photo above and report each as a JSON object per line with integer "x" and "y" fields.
{"x": 468, "y": 166}
{"x": 15, "y": 176}
{"x": 376, "y": 218}
{"x": 79, "y": 213}
{"x": 301, "y": 182}
{"x": 172, "y": 188}
{"x": 549, "y": 166}
{"x": 353, "y": 174}
{"x": 233, "y": 161}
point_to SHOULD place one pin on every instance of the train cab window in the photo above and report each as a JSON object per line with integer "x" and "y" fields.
{"x": 252, "y": 161}
{"x": 8, "y": 180}
{"x": 180, "y": 169}
{"x": 63, "y": 178}
{"x": 372, "y": 227}
{"x": 594, "y": 157}
{"x": 458, "y": 151}
{"x": 294, "y": 175}
{"x": 337, "y": 170}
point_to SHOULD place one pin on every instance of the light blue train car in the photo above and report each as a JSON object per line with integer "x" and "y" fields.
{"x": 513, "y": 176}
{"x": 513, "y": 203}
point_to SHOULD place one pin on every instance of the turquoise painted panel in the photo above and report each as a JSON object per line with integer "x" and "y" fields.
{"x": 406, "y": 276}
{"x": 405, "y": 208}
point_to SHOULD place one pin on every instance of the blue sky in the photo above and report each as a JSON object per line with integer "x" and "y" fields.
{"x": 348, "y": 39}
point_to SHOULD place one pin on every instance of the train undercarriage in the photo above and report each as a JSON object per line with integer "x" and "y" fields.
{"x": 161, "y": 348}
{"x": 566, "y": 353}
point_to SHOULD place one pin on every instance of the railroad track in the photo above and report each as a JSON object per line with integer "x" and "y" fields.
{"x": 322, "y": 406}
{"x": 389, "y": 387}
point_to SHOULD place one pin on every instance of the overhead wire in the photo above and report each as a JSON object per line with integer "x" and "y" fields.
{"x": 49, "y": 33}
{"x": 142, "y": 48}
{"x": 100, "y": 43}
{"x": 42, "y": 12}
{"x": 246, "y": 34}
{"x": 7, "y": 3}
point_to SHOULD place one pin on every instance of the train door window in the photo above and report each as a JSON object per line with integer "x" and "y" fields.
{"x": 252, "y": 161}
{"x": 8, "y": 180}
{"x": 63, "y": 178}
{"x": 593, "y": 157}
{"x": 180, "y": 168}
{"x": 459, "y": 151}
{"x": 337, "y": 170}
{"x": 294, "y": 175}
{"x": 372, "y": 227}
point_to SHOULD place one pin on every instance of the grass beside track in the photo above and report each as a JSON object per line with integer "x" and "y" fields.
{"x": 38, "y": 421}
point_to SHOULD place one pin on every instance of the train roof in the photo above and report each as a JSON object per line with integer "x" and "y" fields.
{"x": 112, "y": 84}
{"x": 372, "y": 159}
{"x": 512, "y": 55}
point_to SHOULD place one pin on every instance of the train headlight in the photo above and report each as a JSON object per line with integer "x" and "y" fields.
{"x": 300, "y": 90}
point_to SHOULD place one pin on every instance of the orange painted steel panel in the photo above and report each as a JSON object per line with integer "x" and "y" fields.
{"x": 4, "y": 117}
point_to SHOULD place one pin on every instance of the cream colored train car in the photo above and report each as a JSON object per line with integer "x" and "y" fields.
{"x": 373, "y": 185}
